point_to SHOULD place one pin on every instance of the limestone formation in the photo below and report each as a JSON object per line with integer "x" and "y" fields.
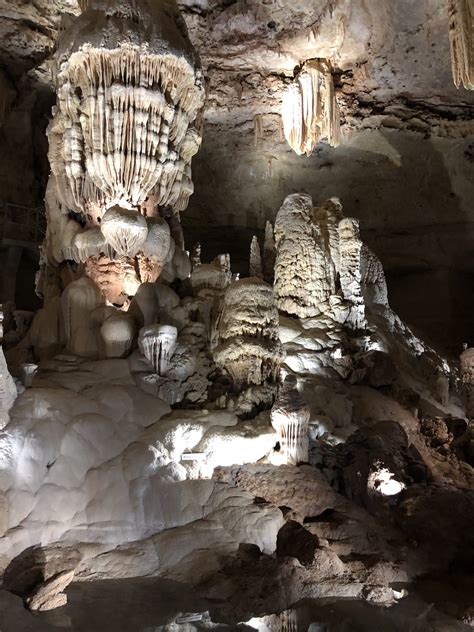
{"x": 249, "y": 345}
{"x": 350, "y": 247}
{"x": 278, "y": 442}
{"x": 255, "y": 263}
{"x": 125, "y": 230}
{"x": 309, "y": 109}
{"x": 78, "y": 301}
{"x": 127, "y": 108}
{"x": 158, "y": 344}
{"x": 117, "y": 333}
{"x": 461, "y": 36}
{"x": 50, "y": 594}
{"x": 373, "y": 283}
{"x": 302, "y": 284}
{"x": 196, "y": 256}
{"x": 125, "y": 128}
{"x": 208, "y": 279}
{"x": 268, "y": 262}
{"x": 290, "y": 418}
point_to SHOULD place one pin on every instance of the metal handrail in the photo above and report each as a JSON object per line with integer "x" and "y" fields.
{"x": 22, "y": 223}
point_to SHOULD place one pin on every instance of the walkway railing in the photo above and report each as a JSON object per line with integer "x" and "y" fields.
{"x": 22, "y": 224}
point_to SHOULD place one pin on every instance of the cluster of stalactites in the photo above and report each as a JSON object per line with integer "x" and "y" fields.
{"x": 290, "y": 418}
{"x": 461, "y": 35}
{"x": 124, "y": 128}
{"x": 309, "y": 109}
{"x": 249, "y": 345}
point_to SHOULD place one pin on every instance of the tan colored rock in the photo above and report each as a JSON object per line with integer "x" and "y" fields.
{"x": 50, "y": 595}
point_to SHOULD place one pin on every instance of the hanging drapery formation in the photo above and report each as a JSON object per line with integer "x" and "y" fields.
{"x": 309, "y": 110}
{"x": 126, "y": 124}
{"x": 461, "y": 35}
{"x": 124, "y": 130}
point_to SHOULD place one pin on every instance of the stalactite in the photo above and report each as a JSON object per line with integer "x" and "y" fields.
{"x": 461, "y": 36}
{"x": 309, "y": 110}
{"x": 258, "y": 129}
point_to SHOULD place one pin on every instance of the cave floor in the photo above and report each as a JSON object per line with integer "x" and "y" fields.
{"x": 155, "y": 605}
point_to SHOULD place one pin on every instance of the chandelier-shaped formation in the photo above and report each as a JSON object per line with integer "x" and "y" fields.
{"x": 309, "y": 110}
{"x": 126, "y": 118}
{"x": 126, "y": 125}
{"x": 461, "y": 36}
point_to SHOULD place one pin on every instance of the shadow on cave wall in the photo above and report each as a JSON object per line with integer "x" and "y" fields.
{"x": 410, "y": 194}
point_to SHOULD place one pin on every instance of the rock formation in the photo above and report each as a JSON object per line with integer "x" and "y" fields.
{"x": 290, "y": 418}
{"x": 8, "y": 391}
{"x": 301, "y": 283}
{"x": 467, "y": 377}
{"x": 461, "y": 36}
{"x": 158, "y": 344}
{"x": 255, "y": 262}
{"x": 125, "y": 128}
{"x": 249, "y": 346}
{"x": 310, "y": 110}
{"x": 350, "y": 269}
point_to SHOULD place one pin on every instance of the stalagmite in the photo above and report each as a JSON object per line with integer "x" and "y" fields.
{"x": 461, "y": 36}
{"x": 290, "y": 418}
{"x": 309, "y": 109}
{"x": 302, "y": 284}
{"x": 350, "y": 247}
{"x": 208, "y": 279}
{"x": 373, "y": 283}
{"x": 328, "y": 215}
{"x": 78, "y": 301}
{"x": 28, "y": 372}
{"x": 195, "y": 257}
{"x": 268, "y": 262}
{"x": 158, "y": 344}
{"x": 117, "y": 333}
{"x": 249, "y": 348}
{"x": 255, "y": 264}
